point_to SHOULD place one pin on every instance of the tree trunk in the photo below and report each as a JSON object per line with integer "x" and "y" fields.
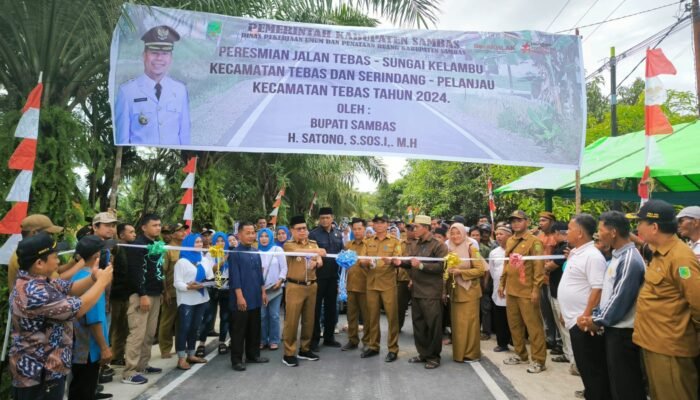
{"x": 116, "y": 179}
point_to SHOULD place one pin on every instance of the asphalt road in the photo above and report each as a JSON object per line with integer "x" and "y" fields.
{"x": 338, "y": 375}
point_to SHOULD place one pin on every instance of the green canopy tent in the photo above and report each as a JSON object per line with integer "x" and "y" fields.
{"x": 675, "y": 167}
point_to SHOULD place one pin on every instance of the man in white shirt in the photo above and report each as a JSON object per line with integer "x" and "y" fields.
{"x": 689, "y": 227}
{"x": 496, "y": 261}
{"x": 579, "y": 293}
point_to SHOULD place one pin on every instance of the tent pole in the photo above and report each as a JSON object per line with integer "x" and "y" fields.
{"x": 578, "y": 191}
{"x": 548, "y": 200}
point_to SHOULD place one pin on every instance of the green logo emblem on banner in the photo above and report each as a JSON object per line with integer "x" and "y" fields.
{"x": 214, "y": 29}
{"x": 684, "y": 272}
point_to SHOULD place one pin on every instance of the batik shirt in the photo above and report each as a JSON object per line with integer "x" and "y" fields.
{"x": 42, "y": 329}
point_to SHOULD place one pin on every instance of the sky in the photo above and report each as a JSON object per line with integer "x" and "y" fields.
{"x": 510, "y": 15}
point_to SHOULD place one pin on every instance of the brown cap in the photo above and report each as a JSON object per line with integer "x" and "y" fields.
{"x": 104, "y": 218}
{"x": 548, "y": 215}
{"x": 422, "y": 219}
{"x": 518, "y": 214}
{"x": 39, "y": 222}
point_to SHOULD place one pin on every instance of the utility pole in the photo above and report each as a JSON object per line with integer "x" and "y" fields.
{"x": 695, "y": 12}
{"x": 613, "y": 113}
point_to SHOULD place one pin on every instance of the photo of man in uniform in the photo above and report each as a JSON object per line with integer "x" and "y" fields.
{"x": 153, "y": 109}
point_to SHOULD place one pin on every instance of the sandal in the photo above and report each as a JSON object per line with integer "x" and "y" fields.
{"x": 416, "y": 360}
{"x": 184, "y": 367}
{"x": 196, "y": 360}
{"x": 431, "y": 364}
{"x": 560, "y": 359}
{"x": 200, "y": 351}
{"x": 274, "y": 346}
{"x": 223, "y": 349}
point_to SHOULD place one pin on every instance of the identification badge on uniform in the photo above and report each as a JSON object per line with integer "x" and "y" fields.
{"x": 143, "y": 120}
{"x": 140, "y": 99}
{"x": 684, "y": 272}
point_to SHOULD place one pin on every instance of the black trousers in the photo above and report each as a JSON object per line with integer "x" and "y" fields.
{"x": 500, "y": 325}
{"x": 550, "y": 326}
{"x": 51, "y": 390}
{"x": 624, "y": 365}
{"x": 589, "y": 353}
{"x": 427, "y": 327}
{"x": 326, "y": 295}
{"x": 404, "y": 296}
{"x": 245, "y": 334}
{"x": 83, "y": 386}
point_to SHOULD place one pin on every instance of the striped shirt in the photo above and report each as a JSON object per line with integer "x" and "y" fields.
{"x": 623, "y": 280}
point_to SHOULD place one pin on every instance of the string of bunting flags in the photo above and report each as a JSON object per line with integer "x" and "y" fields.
{"x": 21, "y": 160}
{"x": 188, "y": 197}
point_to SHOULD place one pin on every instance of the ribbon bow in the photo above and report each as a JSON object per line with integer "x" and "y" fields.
{"x": 451, "y": 261}
{"x": 217, "y": 252}
{"x": 156, "y": 249}
{"x": 516, "y": 261}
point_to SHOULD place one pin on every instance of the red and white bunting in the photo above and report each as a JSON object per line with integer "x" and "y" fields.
{"x": 276, "y": 207}
{"x": 655, "y": 122}
{"x": 492, "y": 202}
{"x": 188, "y": 197}
{"x": 22, "y": 160}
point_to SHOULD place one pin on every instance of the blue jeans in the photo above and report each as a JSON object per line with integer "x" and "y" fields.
{"x": 270, "y": 317}
{"x": 210, "y": 313}
{"x": 189, "y": 321}
{"x": 224, "y": 304}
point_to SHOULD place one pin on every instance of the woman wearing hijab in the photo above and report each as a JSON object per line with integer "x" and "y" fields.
{"x": 274, "y": 266}
{"x": 191, "y": 270}
{"x": 465, "y": 293}
{"x": 222, "y": 299}
{"x": 282, "y": 236}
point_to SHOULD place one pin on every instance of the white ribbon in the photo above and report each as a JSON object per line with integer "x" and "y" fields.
{"x": 303, "y": 254}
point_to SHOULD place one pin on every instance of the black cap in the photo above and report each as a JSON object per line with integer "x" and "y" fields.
{"x": 325, "y": 211}
{"x": 485, "y": 227}
{"x": 655, "y": 211}
{"x": 441, "y": 231}
{"x": 458, "y": 218}
{"x": 160, "y": 38}
{"x": 32, "y": 248}
{"x": 380, "y": 217}
{"x": 356, "y": 220}
{"x": 297, "y": 219}
{"x": 91, "y": 244}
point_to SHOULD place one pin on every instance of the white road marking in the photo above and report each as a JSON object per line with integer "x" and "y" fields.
{"x": 180, "y": 379}
{"x": 491, "y": 385}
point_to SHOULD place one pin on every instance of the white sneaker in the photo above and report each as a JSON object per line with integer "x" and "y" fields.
{"x": 514, "y": 360}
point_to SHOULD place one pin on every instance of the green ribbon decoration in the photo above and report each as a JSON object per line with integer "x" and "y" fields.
{"x": 156, "y": 249}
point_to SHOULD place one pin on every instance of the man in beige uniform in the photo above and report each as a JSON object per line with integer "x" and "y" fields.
{"x": 403, "y": 280}
{"x": 667, "y": 324}
{"x": 168, "y": 309}
{"x": 31, "y": 225}
{"x": 300, "y": 294}
{"x": 522, "y": 284}
{"x": 381, "y": 288}
{"x": 357, "y": 289}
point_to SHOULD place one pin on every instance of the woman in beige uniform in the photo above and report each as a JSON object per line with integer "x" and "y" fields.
{"x": 465, "y": 293}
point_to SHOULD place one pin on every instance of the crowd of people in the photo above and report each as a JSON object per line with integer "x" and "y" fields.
{"x": 622, "y": 307}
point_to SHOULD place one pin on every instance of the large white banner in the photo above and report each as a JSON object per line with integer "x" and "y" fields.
{"x": 199, "y": 81}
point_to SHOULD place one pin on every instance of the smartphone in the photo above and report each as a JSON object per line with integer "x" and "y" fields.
{"x": 105, "y": 258}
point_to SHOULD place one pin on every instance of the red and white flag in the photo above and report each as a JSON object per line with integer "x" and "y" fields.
{"x": 22, "y": 160}
{"x": 492, "y": 202}
{"x": 188, "y": 197}
{"x": 655, "y": 122}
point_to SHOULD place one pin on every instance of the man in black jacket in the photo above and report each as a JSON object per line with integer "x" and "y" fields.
{"x": 119, "y": 294}
{"x": 331, "y": 239}
{"x": 145, "y": 288}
